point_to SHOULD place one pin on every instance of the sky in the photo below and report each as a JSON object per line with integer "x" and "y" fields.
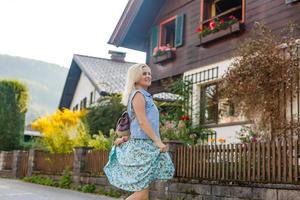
{"x": 54, "y": 30}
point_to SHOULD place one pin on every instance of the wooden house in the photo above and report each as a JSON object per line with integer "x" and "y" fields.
{"x": 150, "y": 26}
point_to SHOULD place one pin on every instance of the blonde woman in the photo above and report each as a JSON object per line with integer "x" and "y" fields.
{"x": 135, "y": 161}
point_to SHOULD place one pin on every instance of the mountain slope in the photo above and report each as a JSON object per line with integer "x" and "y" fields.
{"x": 45, "y": 82}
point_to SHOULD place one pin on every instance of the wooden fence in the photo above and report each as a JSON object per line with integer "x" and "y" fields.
{"x": 266, "y": 162}
{"x": 53, "y": 163}
{"x": 263, "y": 162}
{"x": 23, "y": 163}
{"x": 95, "y": 161}
{"x": 7, "y": 160}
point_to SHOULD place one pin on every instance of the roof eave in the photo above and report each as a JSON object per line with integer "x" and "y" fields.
{"x": 124, "y": 22}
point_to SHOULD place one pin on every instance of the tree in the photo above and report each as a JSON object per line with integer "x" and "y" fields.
{"x": 13, "y": 107}
{"x": 105, "y": 114}
{"x": 263, "y": 77}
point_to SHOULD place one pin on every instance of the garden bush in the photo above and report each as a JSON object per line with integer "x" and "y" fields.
{"x": 13, "y": 107}
{"x": 104, "y": 115}
{"x": 66, "y": 179}
{"x": 88, "y": 188}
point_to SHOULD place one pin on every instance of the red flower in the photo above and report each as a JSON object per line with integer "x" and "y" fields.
{"x": 221, "y": 21}
{"x": 164, "y": 113}
{"x": 212, "y": 25}
{"x": 254, "y": 139}
{"x": 231, "y": 17}
{"x": 184, "y": 118}
{"x": 199, "y": 29}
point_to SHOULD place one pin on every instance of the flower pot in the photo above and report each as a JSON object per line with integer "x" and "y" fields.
{"x": 220, "y": 34}
{"x": 168, "y": 56}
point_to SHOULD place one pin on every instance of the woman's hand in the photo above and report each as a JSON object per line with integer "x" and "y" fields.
{"x": 118, "y": 141}
{"x": 162, "y": 147}
{"x": 121, "y": 140}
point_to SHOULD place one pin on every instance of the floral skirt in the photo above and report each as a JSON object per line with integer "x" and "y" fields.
{"x": 134, "y": 164}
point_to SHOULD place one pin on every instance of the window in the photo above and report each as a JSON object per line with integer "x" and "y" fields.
{"x": 81, "y": 104}
{"x": 211, "y": 9}
{"x": 84, "y": 102}
{"x": 169, "y": 31}
{"x": 209, "y": 104}
{"x": 75, "y": 107}
{"x": 91, "y": 98}
{"x": 217, "y": 110}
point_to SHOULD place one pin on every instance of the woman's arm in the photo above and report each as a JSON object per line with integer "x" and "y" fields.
{"x": 138, "y": 104}
{"x": 139, "y": 109}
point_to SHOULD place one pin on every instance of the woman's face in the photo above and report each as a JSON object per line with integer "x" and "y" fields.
{"x": 145, "y": 80}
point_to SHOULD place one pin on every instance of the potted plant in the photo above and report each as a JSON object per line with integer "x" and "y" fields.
{"x": 218, "y": 28}
{"x": 163, "y": 53}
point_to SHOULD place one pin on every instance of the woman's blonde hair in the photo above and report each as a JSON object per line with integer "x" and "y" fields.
{"x": 134, "y": 74}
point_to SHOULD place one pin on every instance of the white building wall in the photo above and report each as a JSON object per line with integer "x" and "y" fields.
{"x": 226, "y": 132}
{"x": 83, "y": 89}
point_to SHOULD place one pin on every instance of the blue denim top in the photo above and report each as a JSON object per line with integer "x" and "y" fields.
{"x": 152, "y": 114}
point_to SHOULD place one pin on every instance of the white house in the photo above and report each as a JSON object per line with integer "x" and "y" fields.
{"x": 91, "y": 77}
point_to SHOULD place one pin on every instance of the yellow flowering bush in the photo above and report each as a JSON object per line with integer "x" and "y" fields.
{"x": 65, "y": 129}
{"x": 61, "y": 130}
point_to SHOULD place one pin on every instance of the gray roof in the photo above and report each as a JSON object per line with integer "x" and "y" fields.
{"x": 108, "y": 75}
{"x": 105, "y": 74}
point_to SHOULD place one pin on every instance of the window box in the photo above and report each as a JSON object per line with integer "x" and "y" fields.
{"x": 167, "y": 36}
{"x": 220, "y": 18}
{"x": 234, "y": 28}
{"x": 164, "y": 57}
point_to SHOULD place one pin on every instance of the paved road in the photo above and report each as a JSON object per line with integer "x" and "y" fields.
{"x": 11, "y": 189}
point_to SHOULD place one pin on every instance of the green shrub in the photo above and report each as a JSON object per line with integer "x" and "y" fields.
{"x": 66, "y": 179}
{"x": 101, "y": 190}
{"x": 113, "y": 193}
{"x": 13, "y": 106}
{"x": 89, "y": 188}
{"x": 105, "y": 114}
{"x": 40, "y": 180}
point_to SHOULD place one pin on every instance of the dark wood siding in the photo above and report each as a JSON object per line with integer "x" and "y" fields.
{"x": 274, "y": 13}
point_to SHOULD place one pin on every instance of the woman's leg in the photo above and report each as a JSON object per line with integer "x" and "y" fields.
{"x": 139, "y": 195}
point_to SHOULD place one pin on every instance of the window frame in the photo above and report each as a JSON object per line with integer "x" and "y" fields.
{"x": 91, "y": 97}
{"x": 161, "y": 24}
{"x": 202, "y": 109}
{"x": 242, "y": 21}
{"x": 84, "y": 102}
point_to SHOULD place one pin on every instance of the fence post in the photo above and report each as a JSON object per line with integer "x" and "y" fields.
{"x": 79, "y": 162}
{"x": 173, "y": 146}
{"x": 1, "y": 160}
{"x": 31, "y": 160}
{"x": 16, "y": 164}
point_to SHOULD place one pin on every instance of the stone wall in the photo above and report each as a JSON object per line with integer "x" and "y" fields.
{"x": 176, "y": 190}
